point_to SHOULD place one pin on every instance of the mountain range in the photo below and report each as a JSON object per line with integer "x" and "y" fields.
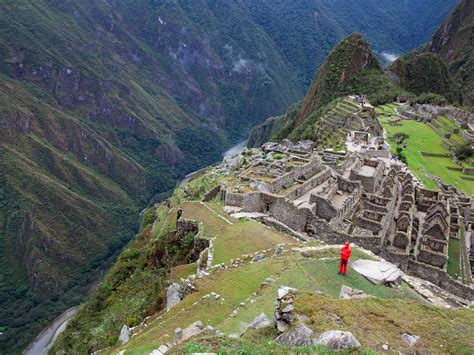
{"x": 105, "y": 104}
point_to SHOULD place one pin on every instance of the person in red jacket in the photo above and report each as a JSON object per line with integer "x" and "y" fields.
{"x": 345, "y": 255}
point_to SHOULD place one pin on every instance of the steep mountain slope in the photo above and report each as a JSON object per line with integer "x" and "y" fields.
{"x": 350, "y": 68}
{"x": 105, "y": 104}
{"x": 445, "y": 64}
{"x": 98, "y": 116}
{"x": 307, "y": 30}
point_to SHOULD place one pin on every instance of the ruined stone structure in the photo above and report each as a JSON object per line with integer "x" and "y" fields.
{"x": 352, "y": 196}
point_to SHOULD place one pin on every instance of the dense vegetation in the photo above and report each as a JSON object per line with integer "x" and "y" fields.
{"x": 444, "y": 65}
{"x": 350, "y": 68}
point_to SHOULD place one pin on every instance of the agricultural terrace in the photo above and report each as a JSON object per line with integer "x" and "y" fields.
{"x": 423, "y": 138}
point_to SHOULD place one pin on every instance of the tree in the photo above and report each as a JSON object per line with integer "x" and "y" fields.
{"x": 464, "y": 152}
{"x": 400, "y": 139}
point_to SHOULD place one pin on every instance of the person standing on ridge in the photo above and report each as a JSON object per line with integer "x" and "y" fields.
{"x": 345, "y": 255}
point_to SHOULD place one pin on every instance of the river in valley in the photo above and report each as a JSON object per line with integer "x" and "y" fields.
{"x": 45, "y": 339}
{"x": 236, "y": 149}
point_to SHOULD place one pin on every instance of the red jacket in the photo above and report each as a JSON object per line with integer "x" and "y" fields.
{"x": 346, "y": 252}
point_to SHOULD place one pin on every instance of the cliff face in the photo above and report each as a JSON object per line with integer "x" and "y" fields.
{"x": 444, "y": 65}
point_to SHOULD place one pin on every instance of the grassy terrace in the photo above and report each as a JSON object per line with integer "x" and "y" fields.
{"x": 424, "y": 138}
{"x": 247, "y": 290}
{"x": 454, "y": 267}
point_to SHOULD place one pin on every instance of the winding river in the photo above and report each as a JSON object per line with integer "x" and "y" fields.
{"x": 45, "y": 339}
{"x": 236, "y": 149}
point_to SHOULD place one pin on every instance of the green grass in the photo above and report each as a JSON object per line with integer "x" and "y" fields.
{"x": 424, "y": 138}
{"x": 318, "y": 273}
{"x": 376, "y": 321}
{"x": 245, "y": 237}
{"x": 454, "y": 266}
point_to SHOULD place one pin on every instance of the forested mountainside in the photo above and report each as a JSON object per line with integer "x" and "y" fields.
{"x": 445, "y": 65}
{"x": 350, "y": 68}
{"x": 104, "y": 104}
{"x": 307, "y": 30}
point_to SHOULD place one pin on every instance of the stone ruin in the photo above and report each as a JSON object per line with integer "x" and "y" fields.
{"x": 353, "y": 196}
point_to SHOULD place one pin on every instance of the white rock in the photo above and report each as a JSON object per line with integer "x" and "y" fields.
{"x": 125, "y": 335}
{"x": 338, "y": 340}
{"x": 348, "y": 293}
{"x": 172, "y": 296}
{"x": 261, "y": 321}
{"x": 284, "y": 290}
{"x": 299, "y": 335}
{"x": 410, "y": 339}
{"x": 378, "y": 272}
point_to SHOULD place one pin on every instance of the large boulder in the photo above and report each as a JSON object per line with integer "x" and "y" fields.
{"x": 125, "y": 335}
{"x": 410, "y": 339}
{"x": 172, "y": 296}
{"x": 261, "y": 321}
{"x": 338, "y": 340}
{"x": 377, "y": 272}
{"x": 299, "y": 335}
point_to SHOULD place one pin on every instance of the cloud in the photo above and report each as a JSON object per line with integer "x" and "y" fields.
{"x": 389, "y": 57}
{"x": 241, "y": 65}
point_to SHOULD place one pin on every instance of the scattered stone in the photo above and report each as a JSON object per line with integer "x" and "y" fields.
{"x": 178, "y": 334}
{"x": 284, "y": 290}
{"x": 385, "y": 347}
{"x": 279, "y": 250}
{"x": 338, "y": 340}
{"x": 298, "y": 335}
{"x": 125, "y": 335}
{"x": 410, "y": 339}
{"x": 261, "y": 321}
{"x": 348, "y": 293}
{"x": 172, "y": 296}
{"x": 161, "y": 350}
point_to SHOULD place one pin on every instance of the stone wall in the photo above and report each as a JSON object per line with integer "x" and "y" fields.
{"x": 316, "y": 180}
{"x": 376, "y": 153}
{"x": 283, "y": 181}
{"x": 211, "y": 194}
{"x": 286, "y": 212}
{"x": 441, "y": 278}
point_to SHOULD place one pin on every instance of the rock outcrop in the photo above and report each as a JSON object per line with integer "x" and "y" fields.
{"x": 299, "y": 335}
{"x": 338, "y": 340}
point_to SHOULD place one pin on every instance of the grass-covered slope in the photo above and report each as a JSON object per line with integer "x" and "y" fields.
{"x": 135, "y": 289}
{"x": 350, "y": 68}
{"x": 423, "y": 138}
